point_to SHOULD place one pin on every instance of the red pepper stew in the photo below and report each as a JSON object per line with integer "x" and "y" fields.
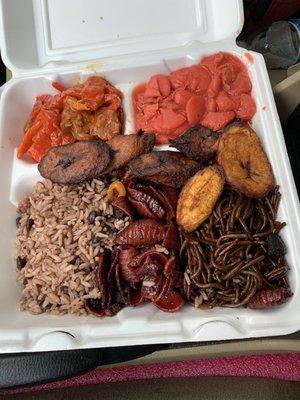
{"x": 83, "y": 112}
{"x": 211, "y": 93}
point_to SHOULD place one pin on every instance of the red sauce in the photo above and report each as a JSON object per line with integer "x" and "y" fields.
{"x": 211, "y": 93}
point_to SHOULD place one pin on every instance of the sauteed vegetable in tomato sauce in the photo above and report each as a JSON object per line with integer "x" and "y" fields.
{"x": 86, "y": 111}
{"x": 211, "y": 93}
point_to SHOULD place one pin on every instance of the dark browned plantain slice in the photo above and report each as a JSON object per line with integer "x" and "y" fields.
{"x": 246, "y": 165}
{"x": 127, "y": 147}
{"x": 75, "y": 162}
{"x": 164, "y": 167}
{"x": 198, "y": 143}
{"x": 198, "y": 197}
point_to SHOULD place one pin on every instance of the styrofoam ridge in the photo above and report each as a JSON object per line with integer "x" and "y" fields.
{"x": 145, "y": 324}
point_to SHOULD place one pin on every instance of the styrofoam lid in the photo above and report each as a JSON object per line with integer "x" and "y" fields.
{"x": 38, "y": 32}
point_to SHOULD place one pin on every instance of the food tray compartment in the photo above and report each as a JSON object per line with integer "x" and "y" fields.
{"x": 145, "y": 324}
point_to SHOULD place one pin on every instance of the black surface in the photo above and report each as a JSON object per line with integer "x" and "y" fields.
{"x": 23, "y": 369}
{"x": 2, "y": 72}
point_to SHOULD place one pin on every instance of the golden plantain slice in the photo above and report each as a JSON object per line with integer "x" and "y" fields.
{"x": 246, "y": 165}
{"x": 198, "y": 197}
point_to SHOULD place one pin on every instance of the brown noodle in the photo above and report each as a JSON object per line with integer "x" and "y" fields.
{"x": 225, "y": 260}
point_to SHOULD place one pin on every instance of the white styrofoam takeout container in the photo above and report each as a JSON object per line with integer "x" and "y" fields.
{"x": 127, "y": 41}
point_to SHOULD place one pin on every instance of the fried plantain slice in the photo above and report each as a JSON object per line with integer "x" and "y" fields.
{"x": 246, "y": 165}
{"x": 198, "y": 143}
{"x": 75, "y": 162}
{"x": 127, "y": 147}
{"x": 164, "y": 167}
{"x": 198, "y": 197}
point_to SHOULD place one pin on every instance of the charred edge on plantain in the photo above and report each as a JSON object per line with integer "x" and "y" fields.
{"x": 247, "y": 168}
{"x": 66, "y": 163}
